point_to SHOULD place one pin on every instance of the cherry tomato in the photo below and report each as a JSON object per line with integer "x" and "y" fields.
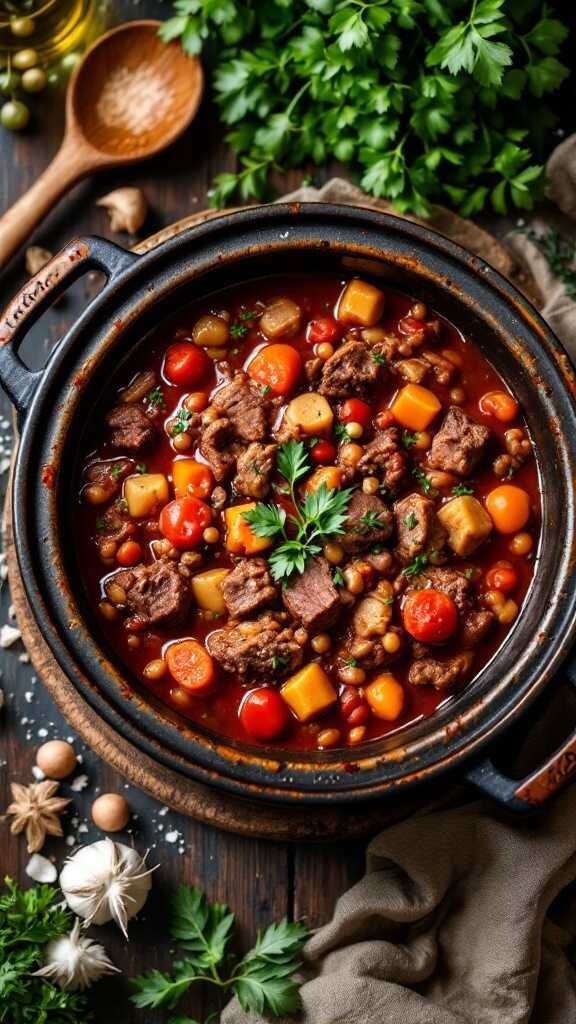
{"x": 324, "y": 328}
{"x": 184, "y": 520}
{"x": 276, "y": 367}
{"x": 354, "y": 410}
{"x": 323, "y": 453}
{"x": 129, "y": 553}
{"x": 186, "y": 365}
{"x": 429, "y": 615}
{"x": 264, "y": 714}
{"x": 509, "y": 508}
{"x": 503, "y": 577}
{"x": 499, "y": 404}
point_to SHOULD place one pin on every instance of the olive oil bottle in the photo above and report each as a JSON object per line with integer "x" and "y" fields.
{"x": 51, "y": 27}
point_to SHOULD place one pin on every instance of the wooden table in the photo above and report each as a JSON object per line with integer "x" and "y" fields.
{"x": 261, "y": 881}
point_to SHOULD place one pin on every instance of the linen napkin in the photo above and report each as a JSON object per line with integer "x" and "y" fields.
{"x": 465, "y": 915}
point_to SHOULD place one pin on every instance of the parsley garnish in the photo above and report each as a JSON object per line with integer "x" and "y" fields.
{"x": 182, "y": 422}
{"x": 320, "y": 515}
{"x": 263, "y": 979}
{"x": 155, "y": 398}
{"x": 378, "y": 358}
{"x": 266, "y": 389}
{"x": 340, "y": 431}
{"x": 410, "y": 521}
{"x": 470, "y": 573}
{"x": 351, "y": 662}
{"x": 369, "y": 521}
{"x": 417, "y": 566}
{"x": 426, "y": 102}
{"x": 408, "y": 439}
{"x": 280, "y": 662}
{"x": 100, "y": 523}
{"x": 424, "y": 481}
{"x": 29, "y": 919}
{"x": 338, "y": 576}
{"x": 141, "y": 467}
{"x": 238, "y": 330}
{"x": 116, "y": 471}
{"x": 121, "y": 505}
{"x": 248, "y": 314}
{"x": 461, "y": 489}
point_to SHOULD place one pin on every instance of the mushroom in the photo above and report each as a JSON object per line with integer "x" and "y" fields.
{"x": 126, "y": 207}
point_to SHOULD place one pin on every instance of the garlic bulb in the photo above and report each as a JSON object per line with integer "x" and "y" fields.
{"x": 106, "y": 881}
{"x": 126, "y": 207}
{"x": 73, "y": 962}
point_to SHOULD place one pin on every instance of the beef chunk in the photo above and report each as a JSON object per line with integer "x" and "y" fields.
{"x": 474, "y": 626}
{"x": 130, "y": 427}
{"x": 248, "y": 588}
{"x": 156, "y": 594}
{"x": 415, "y": 517}
{"x": 459, "y": 444}
{"x": 368, "y": 522}
{"x": 258, "y": 647}
{"x": 442, "y": 675}
{"x": 312, "y": 597}
{"x": 242, "y": 403}
{"x": 108, "y": 475}
{"x": 216, "y": 447}
{"x": 383, "y": 457}
{"x": 218, "y": 498}
{"x": 352, "y": 370}
{"x": 412, "y": 370}
{"x": 312, "y": 369}
{"x": 253, "y": 470}
{"x": 453, "y": 583}
{"x": 441, "y": 367}
{"x": 116, "y": 524}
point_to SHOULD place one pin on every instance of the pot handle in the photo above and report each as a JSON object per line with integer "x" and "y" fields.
{"x": 529, "y": 793}
{"x": 38, "y": 293}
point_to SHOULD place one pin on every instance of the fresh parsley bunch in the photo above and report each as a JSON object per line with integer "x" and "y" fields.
{"x": 426, "y": 100}
{"x": 321, "y": 515}
{"x": 262, "y": 980}
{"x": 29, "y": 919}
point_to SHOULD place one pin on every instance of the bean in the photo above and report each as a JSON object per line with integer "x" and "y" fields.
{"x": 494, "y": 600}
{"x": 508, "y": 613}
{"x": 423, "y": 440}
{"x": 328, "y": 738}
{"x": 354, "y": 430}
{"x": 133, "y": 641}
{"x": 356, "y": 735}
{"x": 321, "y": 643}
{"x": 116, "y": 593}
{"x": 359, "y": 715}
{"x": 353, "y": 580}
{"x": 351, "y": 675}
{"x": 108, "y": 549}
{"x": 196, "y": 401}
{"x": 391, "y": 643}
{"x": 370, "y": 484}
{"x": 190, "y": 558}
{"x": 155, "y": 669}
{"x": 419, "y": 311}
{"x": 458, "y": 396}
{"x": 211, "y": 535}
{"x": 333, "y": 552}
{"x": 162, "y": 547}
{"x": 301, "y": 636}
{"x": 182, "y": 442}
{"x": 521, "y": 544}
{"x": 324, "y": 350}
{"x": 108, "y": 611}
{"x": 373, "y": 335}
{"x": 350, "y": 455}
{"x": 438, "y": 478}
{"x": 209, "y": 416}
{"x": 217, "y": 354}
{"x": 95, "y": 494}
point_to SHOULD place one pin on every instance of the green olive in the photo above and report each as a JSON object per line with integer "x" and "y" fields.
{"x": 34, "y": 80}
{"x": 25, "y": 59}
{"x": 14, "y": 115}
{"x": 9, "y": 81}
{"x": 22, "y": 27}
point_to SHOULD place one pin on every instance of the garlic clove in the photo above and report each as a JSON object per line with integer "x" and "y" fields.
{"x": 40, "y": 869}
{"x": 127, "y": 209}
{"x": 75, "y": 962}
{"x": 36, "y": 257}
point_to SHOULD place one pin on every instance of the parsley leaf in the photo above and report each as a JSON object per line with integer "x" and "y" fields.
{"x": 116, "y": 471}
{"x": 410, "y": 521}
{"x": 141, "y": 468}
{"x": 155, "y": 398}
{"x": 182, "y": 422}
{"x": 266, "y": 520}
{"x": 238, "y": 330}
{"x": 369, "y": 521}
{"x": 338, "y": 576}
{"x": 424, "y": 481}
{"x": 461, "y": 489}
{"x": 416, "y": 566}
{"x": 408, "y": 439}
{"x": 293, "y": 461}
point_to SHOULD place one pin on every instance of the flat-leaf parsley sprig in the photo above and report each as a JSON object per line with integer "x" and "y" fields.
{"x": 320, "y": 515}
{"x": 263, "y": 980}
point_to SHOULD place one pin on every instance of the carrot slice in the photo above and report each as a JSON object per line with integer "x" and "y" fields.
{"x": 190, "y": 665}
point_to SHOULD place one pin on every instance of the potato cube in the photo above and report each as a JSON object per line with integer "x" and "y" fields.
{"x": 311, "y": 413}
{"x": 280, "y": 319}
{"x": 145, "y": 494}
{"x": 415, "y": 407}
{"x": 309, "y": 692}
{"x": 207, "y": 590}
{"x": 467, "y": 523}
{"x": 330, "y": 476}
{"x": 361, "y": 304}
{"x": 240, "y": 538}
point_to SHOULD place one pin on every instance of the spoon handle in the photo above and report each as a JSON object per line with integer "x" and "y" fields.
{"x": 67, "y": 167}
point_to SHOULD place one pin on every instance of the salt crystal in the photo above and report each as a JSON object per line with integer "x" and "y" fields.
{"x": 11, "y": 611}
{"x": 28, "y": 696}
{"x": 9, "y": 635}
{"x": 172, "y": 837}
{"x": 79, "y": 783}
{"x": 70, "y": 840}
{"x": 38, "y": 773}
{"x": 24, "y": 658}
{"x": 40, "y": 869}
{"x": 42, "y": 733}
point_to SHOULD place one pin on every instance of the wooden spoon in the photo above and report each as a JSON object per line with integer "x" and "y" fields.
{"x": 130, "y": 97}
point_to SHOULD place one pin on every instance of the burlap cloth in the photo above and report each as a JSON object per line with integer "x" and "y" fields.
{"x": 464, "y": 915}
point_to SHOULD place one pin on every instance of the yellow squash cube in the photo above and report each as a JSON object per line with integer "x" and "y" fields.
{"x": 309, "y": 692}
{"x": 240, "y": 538}
{"x": 467, "y": 522}
{"x": 145, "y": 493}
{"x": 361, "y": 304}
{"x": 311, "y": 413}
{"x": 415, "y": 407}
{"x": 207, "y": 590}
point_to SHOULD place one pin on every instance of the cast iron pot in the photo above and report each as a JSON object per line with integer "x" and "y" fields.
{"x": 55, "y": 405}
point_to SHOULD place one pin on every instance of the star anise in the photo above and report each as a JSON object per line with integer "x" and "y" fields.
{"x": 36, "y": 810}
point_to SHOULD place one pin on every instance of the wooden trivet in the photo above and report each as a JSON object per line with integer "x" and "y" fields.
{"x": 254, "y": 819}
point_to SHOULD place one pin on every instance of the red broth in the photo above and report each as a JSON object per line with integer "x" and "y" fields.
{"x": 218, "y": 712}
